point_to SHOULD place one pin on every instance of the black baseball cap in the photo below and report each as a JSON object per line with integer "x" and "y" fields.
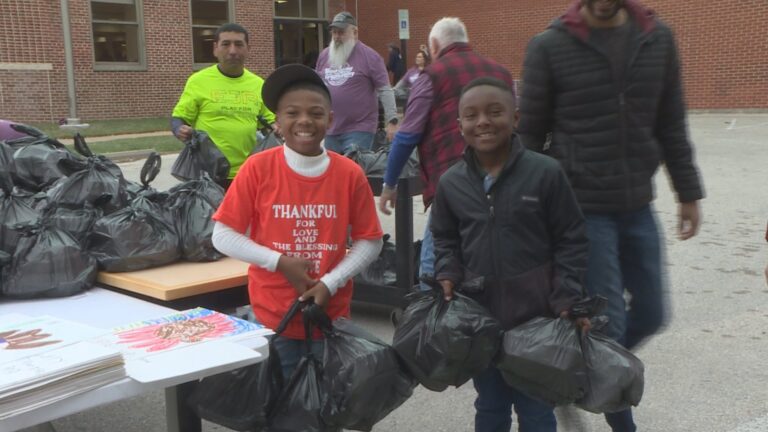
{"x": 286, "y": 76}
{"x": 343, "y": 20}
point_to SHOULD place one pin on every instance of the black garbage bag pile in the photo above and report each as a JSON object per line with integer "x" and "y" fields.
{"x": 36, "y": 158}
{"x": 445, "y": 343}
{"x": 200, "y": 155}
{"x": 614, "y": 375}
{"x": 145, "y": 197}
{"x": 374, "y": 163}
{"x": 7, "y": 166}
{"x": 89, "y": 180}
{"x": 193, "y": 203}
{"x": 48, "y": 262}
{"x": 362, "y": 377}
{"x": 15, "y": 213}
{"x": 542, "y": 358}
{"x": 77, "y": 221}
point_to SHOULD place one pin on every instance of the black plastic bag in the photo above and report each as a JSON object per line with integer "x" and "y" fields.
{"x": 383, "y": 271}
{"x": 269, "y": 141}
{"x": 445, "y": 343}
{"x": 193, "y": 203}
{"x": 542, "y": 358}
{"x": 37, "y": 161}
{"x": 77, "y": 221}
{"x": 243, "y": 399}
{"x": 298, "y": 407}
{"x": 48, "y": 262}
{"x": 267, "y": 138}
{"x": 7, "y": 167}
{"x": 133, "y": 239}
{"x": 15, "y": 213}
{"x": 89, "y": 181}
{"x": 374, "y": 163}
{"x": 362, "y": 378}
{"x": 614, "y": 374}
{"x": 199, "y": 155}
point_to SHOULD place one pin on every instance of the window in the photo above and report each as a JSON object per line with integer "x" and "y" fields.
{"x": 117, "y": 34}
{"x": 207, "y": 16}
{"x": 300, "y": 8}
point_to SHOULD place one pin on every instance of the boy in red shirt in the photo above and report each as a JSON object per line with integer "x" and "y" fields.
{"x": 298, "y": 201}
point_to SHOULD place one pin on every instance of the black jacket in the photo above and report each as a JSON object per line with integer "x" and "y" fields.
{"x": 526, "y": 238}
{"x": 609, "y": 135}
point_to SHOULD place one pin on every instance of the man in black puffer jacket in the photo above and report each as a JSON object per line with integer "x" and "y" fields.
{"x": 602, "y": 94}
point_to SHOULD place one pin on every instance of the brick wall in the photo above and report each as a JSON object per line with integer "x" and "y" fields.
{"x": 723, "y": 49}
{"x": 723, "y": 45}
{"x": 34, "y": 35}
{"x": 30, "y": 34}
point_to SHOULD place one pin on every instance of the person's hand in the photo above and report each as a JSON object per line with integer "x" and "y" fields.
{"x": 296, "y": 270}
{"x": 319, "y": 292}
{"x": 387, "y": 200}
{"x": 583, "y": 324}
{"x": 689, "y": 220}
{"x": 448, "y": 287}
{"x": 391, "y": 129}
{"x": 184, "y": 132}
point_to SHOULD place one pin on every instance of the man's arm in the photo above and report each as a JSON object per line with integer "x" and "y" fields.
{"x": 672, "y": 134}
{"x": 449, "y": 270}
{"x": 536, "y": 99}
{"x": 406, "y": 139}
{"x": 569, "y": 242}
{"x": 185, "y": 112}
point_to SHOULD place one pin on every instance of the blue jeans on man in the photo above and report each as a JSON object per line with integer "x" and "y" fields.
{"x": 427, "y": 256}
{"x": 494, "y": 403}
{"x": 625, "y": 254}
{"x": 342, "y": 143}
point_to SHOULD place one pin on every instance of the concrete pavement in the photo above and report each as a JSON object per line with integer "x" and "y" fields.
{"x": 706, "y": 373}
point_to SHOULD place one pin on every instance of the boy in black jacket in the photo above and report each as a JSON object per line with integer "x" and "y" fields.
{"x": 507, "y": 215}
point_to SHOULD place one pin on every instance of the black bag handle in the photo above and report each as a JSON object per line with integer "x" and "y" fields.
{"x": 151, "y": 168}
{"x": 292, "y": 311}
{"x": 81, "y": 146}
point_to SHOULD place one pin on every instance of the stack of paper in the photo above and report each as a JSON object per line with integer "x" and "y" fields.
{"x": 185, "y": 343}
{"x": 46, "y": 359}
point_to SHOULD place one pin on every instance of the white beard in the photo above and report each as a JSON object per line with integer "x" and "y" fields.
{"x": 339, "y": 54}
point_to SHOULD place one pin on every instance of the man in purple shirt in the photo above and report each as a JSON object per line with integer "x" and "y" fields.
{"x": 356, "y": 77}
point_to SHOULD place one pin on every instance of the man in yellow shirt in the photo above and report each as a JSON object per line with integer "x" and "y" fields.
{"x": 224, "y": 100}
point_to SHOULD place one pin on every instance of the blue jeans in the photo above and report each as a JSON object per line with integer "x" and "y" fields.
{"x": 625, "y": 254}
{"x": 291, "y": 351}
{"x": 427, "y": 257}
{"x": 494, "y": 403}
{"x": 344, "y": 142}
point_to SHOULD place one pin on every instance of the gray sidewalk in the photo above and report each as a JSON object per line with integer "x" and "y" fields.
{"x": 706, "y": 373}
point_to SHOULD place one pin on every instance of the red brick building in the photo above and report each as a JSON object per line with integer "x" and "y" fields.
{"x": 130, "y": 58}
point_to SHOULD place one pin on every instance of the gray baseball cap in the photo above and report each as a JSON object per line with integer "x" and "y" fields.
{"x": 343, "y": 20}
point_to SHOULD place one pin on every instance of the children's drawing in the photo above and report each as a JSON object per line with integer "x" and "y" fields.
{"x": 17, "y": 339}
{"x": 192, "y": 326}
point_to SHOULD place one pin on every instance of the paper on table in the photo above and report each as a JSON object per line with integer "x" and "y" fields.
{"x": 179, "y": 330}
{"x": 22, "y": 336}
{"x": 191, "y": 362}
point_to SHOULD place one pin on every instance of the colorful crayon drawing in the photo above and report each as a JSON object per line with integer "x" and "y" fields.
{"x": 27, "y": 339}
{"x": 192, "y": 326}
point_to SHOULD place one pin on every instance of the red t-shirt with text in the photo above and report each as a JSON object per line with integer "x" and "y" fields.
{"x": 300, "y": 216}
